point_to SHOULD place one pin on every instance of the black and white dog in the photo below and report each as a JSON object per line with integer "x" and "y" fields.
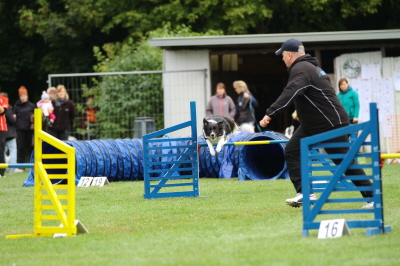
{"x": 216, "y": 130}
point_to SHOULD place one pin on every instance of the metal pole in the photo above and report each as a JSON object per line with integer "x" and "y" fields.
{"x": 262, "y": 142}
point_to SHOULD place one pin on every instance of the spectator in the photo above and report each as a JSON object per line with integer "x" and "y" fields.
{"x": 10, "y": 138}
{"x": 349, "y": 99}
{"x": 64, "y": 110}
{"x": 89, "y": 119}
{"x": 3, "y": 129}
{"x": 220, "y": 103}
{"x": 52, "y": 92}
{"x": 23, "y": 112}
{"x": 245, "y": 114}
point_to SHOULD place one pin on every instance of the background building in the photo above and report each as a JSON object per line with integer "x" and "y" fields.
{"x": 251, "y": 58}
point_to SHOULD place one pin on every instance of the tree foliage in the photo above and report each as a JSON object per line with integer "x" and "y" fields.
{"x": 138, "y": 95}
{"x": 39, "y": 37}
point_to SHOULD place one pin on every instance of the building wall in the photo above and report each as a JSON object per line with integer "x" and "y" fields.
{"x": 181, "y": 88}
{"x": 375, "y": 87}
{"x": 390, "y": 65}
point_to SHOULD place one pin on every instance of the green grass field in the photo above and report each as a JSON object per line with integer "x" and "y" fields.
{"x": 232, "y": 223}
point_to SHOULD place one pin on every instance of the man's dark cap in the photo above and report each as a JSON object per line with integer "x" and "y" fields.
{"x": 291, "y": 45}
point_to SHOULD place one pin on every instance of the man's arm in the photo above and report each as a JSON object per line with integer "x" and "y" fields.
{"x": 296, "y": 86}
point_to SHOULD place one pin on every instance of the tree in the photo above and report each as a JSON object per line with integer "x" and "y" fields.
{"x": 136, "y": 95}
{"x": 124, "y": 97}
{"x": 39, "y": 37}
{"x": 18, "y": 53}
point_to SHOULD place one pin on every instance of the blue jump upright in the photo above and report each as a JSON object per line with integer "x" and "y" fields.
{"x": 165, "y": 173}
{"x": 320, "y": 175}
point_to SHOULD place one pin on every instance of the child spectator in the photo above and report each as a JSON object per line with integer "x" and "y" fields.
{"x": 47, "y": 108}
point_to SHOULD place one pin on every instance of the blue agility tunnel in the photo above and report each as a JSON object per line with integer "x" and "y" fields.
{"x": 122, "y": 159}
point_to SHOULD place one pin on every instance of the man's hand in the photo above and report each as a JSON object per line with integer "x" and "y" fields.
{"x": 265, "y": 121}
{"x": 355, "y": 120}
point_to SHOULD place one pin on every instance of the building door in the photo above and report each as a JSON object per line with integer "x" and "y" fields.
{"x": 265, "y": 75}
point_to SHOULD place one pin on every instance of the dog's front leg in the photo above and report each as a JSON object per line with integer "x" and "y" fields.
{"x": 211, "y": 147}
{"x": 221, "y": 143}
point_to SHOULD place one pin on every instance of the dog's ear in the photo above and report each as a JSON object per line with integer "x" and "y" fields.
{"x": 205, "y": 122}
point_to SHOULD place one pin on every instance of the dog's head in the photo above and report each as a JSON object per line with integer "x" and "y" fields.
{"x": 212, "y": 129}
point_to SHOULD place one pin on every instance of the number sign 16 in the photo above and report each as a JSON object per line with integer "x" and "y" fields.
{"x": 333, "y": 228}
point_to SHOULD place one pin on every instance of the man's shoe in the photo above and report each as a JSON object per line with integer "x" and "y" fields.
{"x": 369, "y": 204}
{"x": 298, "y": 200}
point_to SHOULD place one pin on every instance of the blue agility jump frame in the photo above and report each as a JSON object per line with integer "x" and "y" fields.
{"x": 183, "y": 171}
{"x": 321, "y": 175}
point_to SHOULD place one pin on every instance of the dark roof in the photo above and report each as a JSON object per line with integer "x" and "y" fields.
{"x": 328, "y": 40}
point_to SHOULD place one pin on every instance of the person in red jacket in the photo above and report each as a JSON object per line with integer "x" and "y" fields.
{"x": 3, "y": 130}
{"x": 10, "y": 146}
{"x": 88, "y": 121}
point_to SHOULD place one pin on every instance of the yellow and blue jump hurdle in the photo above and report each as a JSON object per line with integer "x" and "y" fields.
{"x": 54, "y": 205}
